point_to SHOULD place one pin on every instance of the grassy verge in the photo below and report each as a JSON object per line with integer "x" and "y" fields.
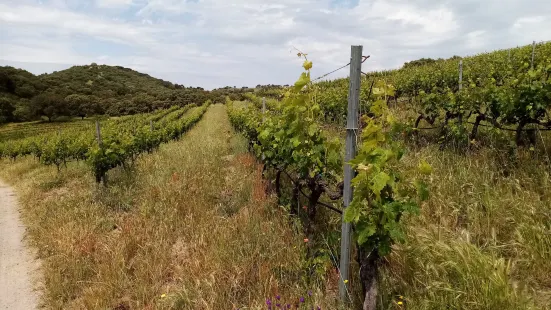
{"x": 190, "y": 228}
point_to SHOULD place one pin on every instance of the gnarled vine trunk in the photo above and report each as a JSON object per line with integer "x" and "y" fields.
{"x": 369, "y": 271}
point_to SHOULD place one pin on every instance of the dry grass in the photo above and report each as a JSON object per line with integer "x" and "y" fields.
{"x": 483, "y": 240}
{"x": 190, "y": 228}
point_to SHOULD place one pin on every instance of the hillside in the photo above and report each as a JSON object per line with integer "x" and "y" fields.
{"x": 87, "y": 90}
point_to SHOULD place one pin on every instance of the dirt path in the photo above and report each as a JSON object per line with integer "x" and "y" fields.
{"x": 17, "y": 266}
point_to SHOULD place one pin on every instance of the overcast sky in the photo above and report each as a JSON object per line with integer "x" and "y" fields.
{"x": 214, "y": 43}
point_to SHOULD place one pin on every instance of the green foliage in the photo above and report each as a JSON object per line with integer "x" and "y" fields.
{"x": 123, "y": 140}
{"x": 7, "y": 110}
{"x": 381, "y": 196}
{"x": 501, "y": 88}
{"x": 49, "y": 105}
{"x": 290, "y": 137}
{"x": 90, "y": 90}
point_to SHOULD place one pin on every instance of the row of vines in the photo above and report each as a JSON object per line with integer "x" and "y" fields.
{"x": 289, "y": 140}
{"x": 120, "y": 141}
{"x": 505, "y": 89}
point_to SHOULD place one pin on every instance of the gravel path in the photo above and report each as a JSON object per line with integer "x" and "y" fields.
{"x": 17, "y": 266}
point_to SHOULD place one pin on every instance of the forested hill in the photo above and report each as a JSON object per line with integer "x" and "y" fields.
{"x": 87, "y": 90}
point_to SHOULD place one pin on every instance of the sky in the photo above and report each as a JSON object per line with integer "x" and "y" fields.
{"x": 216, "y": 43}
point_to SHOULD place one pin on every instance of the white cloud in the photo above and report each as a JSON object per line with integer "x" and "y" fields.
{"x": 113, "y": 3}
{"x": 247, "y": 42}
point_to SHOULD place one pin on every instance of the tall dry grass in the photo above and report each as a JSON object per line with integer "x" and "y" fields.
{"x": 189, "y": 228}
{"x": 482, "y": 241}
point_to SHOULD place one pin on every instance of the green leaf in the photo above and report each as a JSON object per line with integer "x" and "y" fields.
{"x": 364, "y": 233}
{"x": 378, "y": 182}
{"x": 422, "y": 190}
{"x": 424, "y": 167}
{"x": 352, "y": 213}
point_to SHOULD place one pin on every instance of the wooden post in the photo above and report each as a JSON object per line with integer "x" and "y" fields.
{"x": 351, "y": 131}
{"x": 98, "y": 134}
{"x": 460, "y": 118}
{"x": 100, "y": 143}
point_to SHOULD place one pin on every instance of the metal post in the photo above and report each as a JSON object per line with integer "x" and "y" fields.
{"x": 533, "y": 51}
{"x": 98, "y": 134}
{"x": 263, "y": 109}
{"x": 351, "y": 131}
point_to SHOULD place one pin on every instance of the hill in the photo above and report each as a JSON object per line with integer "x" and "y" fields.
{"x": 87, "y": 90}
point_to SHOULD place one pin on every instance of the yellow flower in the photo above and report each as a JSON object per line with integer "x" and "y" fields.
{"x": 163, "y": 295}
{"x": 345, "y": 281}
{"x": 400, "y": 303}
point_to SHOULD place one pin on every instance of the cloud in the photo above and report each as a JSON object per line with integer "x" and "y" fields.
{"x": 214, "y": 43}
{"x": 113, "y": 3}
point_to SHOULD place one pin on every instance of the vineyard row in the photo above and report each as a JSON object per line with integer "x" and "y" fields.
{"x": 115, "y": 143}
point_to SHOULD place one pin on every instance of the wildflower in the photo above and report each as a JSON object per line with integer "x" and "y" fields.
{"x": 302, "y": 299}
{"x": 268, "y": 302}
{"x": 278, "y": 305}
{"x": 400, "y": 297}
{"x": 304, "y": 207}
{"x": 306, "y": 240}
{"x": 345, "y": 281}
{"x": 278, "y": 297}
{"x": 400, "y": 303}
{"x": 318, "y": 308}
{"x": 288, "y": 306}
{"x": 163, "y": 295}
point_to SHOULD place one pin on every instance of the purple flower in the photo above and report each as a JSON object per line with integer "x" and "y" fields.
{"x": 301, "y": 299}
{"x": 278, "y": 305}
{"x": 278, "y": 297}
{"x": 268, "y": 302}
{"x": 288, "y": 306}
{"x": 318, "y": 308}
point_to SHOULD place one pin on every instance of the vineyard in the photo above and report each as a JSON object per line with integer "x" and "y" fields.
{"x": 506, "y": 89}
{"x": 426, "y": 187}
{"x": 109, "y": 144}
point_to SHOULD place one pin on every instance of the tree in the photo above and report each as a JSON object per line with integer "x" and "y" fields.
{"x": 6, "y": 110}
{"x": 49, "y": 105}
{"x": 143, "y": 103}
{"x": 81, "y": 105}
{"x": 23, "y": 111}
{"x": 419, "y": 62}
